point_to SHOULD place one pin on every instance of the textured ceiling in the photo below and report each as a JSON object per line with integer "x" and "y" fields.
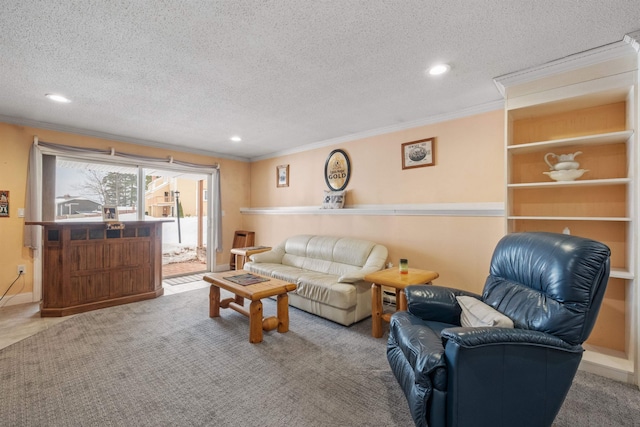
{"x": 281, "y": 74}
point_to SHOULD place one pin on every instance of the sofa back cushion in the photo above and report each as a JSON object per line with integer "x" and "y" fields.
{"x": 295, "y": 250}
{"x": 326, "y": 254}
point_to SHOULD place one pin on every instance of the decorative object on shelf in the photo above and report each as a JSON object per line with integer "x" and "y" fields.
{"x": 4, "y": 203}
{"x": 282, "y": 175}
{"x": 566, "y": 175}
{"x": 115, "y": 226}
{"x": 333, "y": 199}
{"x": 563, "y": 161}
{"x": 109, "y": 213}
{"x": 565, "y": 168}
{"x": 337, "y": 170}
{"x": 417, "y": 154}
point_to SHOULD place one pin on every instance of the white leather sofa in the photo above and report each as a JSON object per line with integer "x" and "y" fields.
{"x": 328, "y": 271}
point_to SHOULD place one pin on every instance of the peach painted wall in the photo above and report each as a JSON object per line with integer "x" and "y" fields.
{"x": 15, "y": 142}
{"x": 469, "y": 155}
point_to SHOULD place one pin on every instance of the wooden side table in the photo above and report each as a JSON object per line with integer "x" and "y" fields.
{"x": 247, "y": 252}
{"x": 391, "y": 277}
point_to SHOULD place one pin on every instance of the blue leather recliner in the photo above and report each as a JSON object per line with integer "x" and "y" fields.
{"x": 551, "y": 286}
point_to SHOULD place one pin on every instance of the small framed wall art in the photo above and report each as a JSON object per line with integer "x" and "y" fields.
{"x": 417, "y": 154}
{"x": 109, "y": 213}
{"x": 4, "y": 203}
{"x": 282, "y": 175}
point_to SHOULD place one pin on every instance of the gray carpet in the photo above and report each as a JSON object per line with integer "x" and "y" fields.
{"x": 164, "y": 362}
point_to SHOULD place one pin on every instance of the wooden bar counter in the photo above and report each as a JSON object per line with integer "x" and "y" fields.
{"x": 87, "y": 266}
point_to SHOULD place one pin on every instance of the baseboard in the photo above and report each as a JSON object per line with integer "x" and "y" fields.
{"x": 24, "y": 298}
{"x": 607, "y": 372}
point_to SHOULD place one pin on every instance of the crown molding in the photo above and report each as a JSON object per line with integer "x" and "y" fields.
{"x": 439, "y": 118}
{"x": 628, "y": 45}
{"x": 633, "y": 39}
{"x": 465, "y": 112}
{"x": 112, "y": 137}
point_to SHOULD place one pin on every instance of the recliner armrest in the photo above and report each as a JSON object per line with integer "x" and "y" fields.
{"x": 436, "y": 303}
{"x": 482, "y": 336}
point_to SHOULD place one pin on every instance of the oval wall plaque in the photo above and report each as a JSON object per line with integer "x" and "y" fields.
{"x": 337, "y": 170}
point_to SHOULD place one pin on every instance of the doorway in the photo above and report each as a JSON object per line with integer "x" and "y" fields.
{"x": 181, "y": 199}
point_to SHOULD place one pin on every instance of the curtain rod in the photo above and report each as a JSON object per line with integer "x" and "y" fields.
{"x": 111, "y": 152}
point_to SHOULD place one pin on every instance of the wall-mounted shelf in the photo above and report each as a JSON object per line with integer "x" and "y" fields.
{"x": 581, "y": 183}
{"x": 597, "y": 139}
{"x": 495, "y": 209}
{"x": 598, "y": 119}
{"x": 571, "y": 218}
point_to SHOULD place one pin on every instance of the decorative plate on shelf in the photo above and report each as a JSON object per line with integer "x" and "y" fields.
{"x": 566, "y": 175}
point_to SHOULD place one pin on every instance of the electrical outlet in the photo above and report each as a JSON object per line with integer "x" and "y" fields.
{"x": 21, "y": 269}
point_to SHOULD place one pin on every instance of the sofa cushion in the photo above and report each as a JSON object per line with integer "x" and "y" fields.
{"x": 475, "y": 313}
{"x": 277, "y": 271}
{"x": 328, "y": 254}
{"x": 325, "y": 289}
{"x": 320, "y": 287}
{"x": 312, "y": 250}
{"x": 352, "y": 251}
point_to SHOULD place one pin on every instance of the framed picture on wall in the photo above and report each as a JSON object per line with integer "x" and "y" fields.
{"x": 417, "y": 154}
{"x": 109, "y": 213}
{"x": 4, "y": 203}
{"x": 337, "y": 170}
{"x": 282, "y": 175}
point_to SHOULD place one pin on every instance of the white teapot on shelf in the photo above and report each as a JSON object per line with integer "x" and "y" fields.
{"x": 563, "y": 161}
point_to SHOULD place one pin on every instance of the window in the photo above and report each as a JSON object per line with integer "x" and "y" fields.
{"x": 122, "y": 179}
{"x": 83, "y": 188}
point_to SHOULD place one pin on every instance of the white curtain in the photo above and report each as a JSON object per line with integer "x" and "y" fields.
{"x": 217, "y": 212}
{"x": 33, "y": 202}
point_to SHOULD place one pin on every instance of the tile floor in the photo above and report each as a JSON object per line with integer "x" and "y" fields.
{"x": 18, "y": 322}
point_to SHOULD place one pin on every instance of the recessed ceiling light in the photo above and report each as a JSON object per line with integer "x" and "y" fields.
{"x": 436, "y": 70}
{"x": 57, "y": 98}
{"x": 236, "y": 138}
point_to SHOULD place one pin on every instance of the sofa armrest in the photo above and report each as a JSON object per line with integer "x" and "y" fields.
{"x": 273, "y": 256}
{"x": 435, "y": 303}
{"x": 375, "y": 262}
{"x": 357, "y": 275}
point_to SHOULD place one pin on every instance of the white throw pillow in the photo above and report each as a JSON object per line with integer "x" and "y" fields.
{"x": 333, "y": 199}
{"x": 476, "y": 313}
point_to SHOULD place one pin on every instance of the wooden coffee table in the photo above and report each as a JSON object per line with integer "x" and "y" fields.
{"x": 255, "y": 293}
{"x": 391, "y": 277}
